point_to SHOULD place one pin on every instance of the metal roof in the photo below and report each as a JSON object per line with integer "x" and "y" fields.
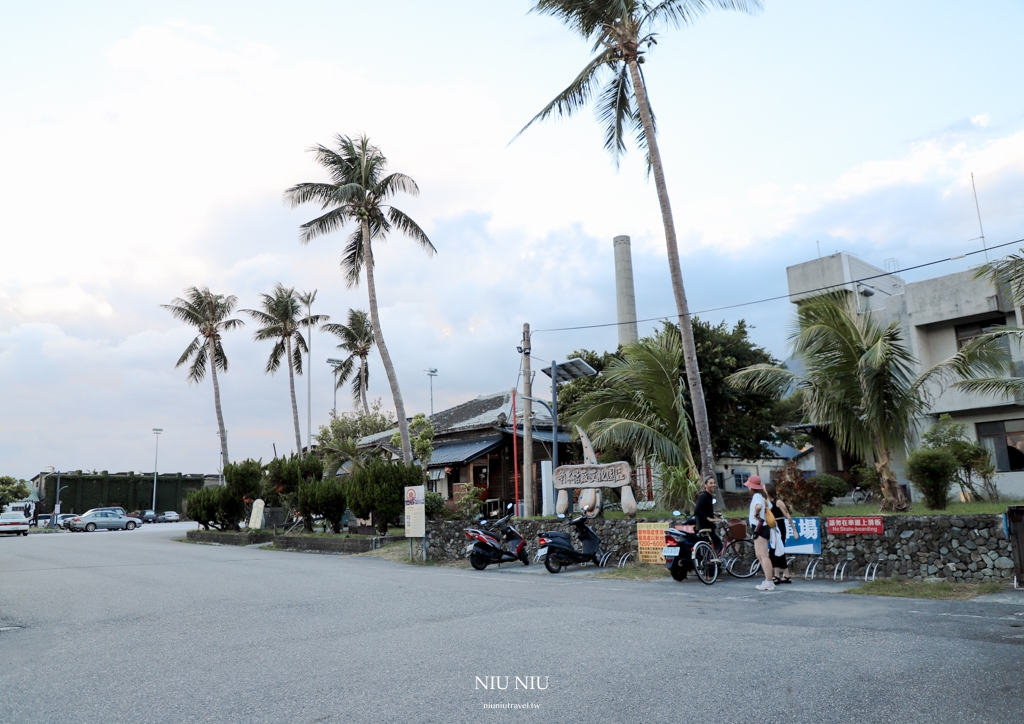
{"x": 464, "y": 451}
{"x": 545, "y": 435}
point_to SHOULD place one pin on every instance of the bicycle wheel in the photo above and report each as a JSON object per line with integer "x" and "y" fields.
{"x": 705, "y": 565}
{"x": 740, "y": 559}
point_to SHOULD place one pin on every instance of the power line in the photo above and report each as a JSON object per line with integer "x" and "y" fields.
{"x": 783, "y": 296}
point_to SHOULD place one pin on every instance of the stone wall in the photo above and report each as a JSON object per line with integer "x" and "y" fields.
{"x": 971, "y": 548}
{"x": 446, "y": 541}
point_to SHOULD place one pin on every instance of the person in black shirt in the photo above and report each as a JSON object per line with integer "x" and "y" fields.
{"x": 704, "y": 511}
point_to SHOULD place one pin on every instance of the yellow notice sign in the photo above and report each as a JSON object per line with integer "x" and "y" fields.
{"x": 650, "y": 539}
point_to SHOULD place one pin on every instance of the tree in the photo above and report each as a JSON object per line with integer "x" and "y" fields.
{"x": 376, "y": 488}
{"x": 972, "y": 460}
{"x": 12, "y": 490}
{"x": 338, "y": 441}
{"x": 859, "y": 384}
{"x": 358, "y": 190}
{"x": 642, "y": 408}
{"x": 619, "y": 30}
{"x": 281, "y": 323}
{"x": 743, "y": 422}
{"x": 421, "y": 434}
{"x": 356, "y": 339}
{"x": 932, "y": 471}
{"x": 244, "y": 479}
{"x": 209, "y": 313}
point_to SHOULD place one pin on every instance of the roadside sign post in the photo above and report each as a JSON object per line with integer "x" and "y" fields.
{"x": 415, "y": 517}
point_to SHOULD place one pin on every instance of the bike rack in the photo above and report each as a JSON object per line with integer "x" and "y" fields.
{"x": 812, "y": 567}
{"x": 840, "y": 572}
{"x": 871, "y": 570}
{"x": 624, "y": 559}
{"x": 602, "y": 559}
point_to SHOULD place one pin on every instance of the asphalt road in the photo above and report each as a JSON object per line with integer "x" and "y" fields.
{"x": 134, "y": 627}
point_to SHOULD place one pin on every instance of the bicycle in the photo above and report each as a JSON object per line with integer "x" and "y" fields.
{"x": 738, "y": 558}
{"x": 861, "y": 496}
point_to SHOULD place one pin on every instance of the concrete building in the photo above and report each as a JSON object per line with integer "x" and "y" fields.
{"x": 937, "y": 317}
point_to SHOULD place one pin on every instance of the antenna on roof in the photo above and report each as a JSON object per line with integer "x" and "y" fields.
{"x": 980, "y": 227}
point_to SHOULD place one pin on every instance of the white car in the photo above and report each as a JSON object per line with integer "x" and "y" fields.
{"x": 168, "y": 517}
{"x": 15, "y": 523}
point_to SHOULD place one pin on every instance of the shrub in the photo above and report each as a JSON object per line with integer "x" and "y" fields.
{"x": 830, "y": 487}
{"x": 216, "y": 507}
{"x": 801, "y": 494}
{"x": 931, "y": 471}
{"x": 468, "y": 501}
{"x": 322, "y": 497}
{"x": 376, "y": 488}
{"x": 244, "y": 479}
{"x": 201, "y": 506}
{"x": 434, "y": 505}
{"x": 680, "y": 486}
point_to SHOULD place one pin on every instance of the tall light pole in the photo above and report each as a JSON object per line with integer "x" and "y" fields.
{"x": 156, "y": 460}
{"x": 335, "y": 363}
{"x": 431, "y": 373}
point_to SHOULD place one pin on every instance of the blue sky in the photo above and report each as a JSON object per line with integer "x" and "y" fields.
{"x": 144, "y": 147}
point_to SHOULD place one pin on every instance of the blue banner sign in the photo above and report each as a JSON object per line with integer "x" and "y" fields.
{"x": 809, "y": 540}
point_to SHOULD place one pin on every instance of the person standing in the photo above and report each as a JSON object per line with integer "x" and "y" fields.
{"x": 777, "y": 539}
{"x": 704, "y": 512}
{"x": 759, "y": 529}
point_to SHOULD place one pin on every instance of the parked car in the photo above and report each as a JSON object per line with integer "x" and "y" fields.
{"x": 147, "y": 516}
{"x": 168, "y": 516}
{"x": 15, "y": 523}
{"x": 103, "y": 519}
{"x": 42, "y": 522}
{"x": 64, "y": 520}
{"x": 113, "y": 509}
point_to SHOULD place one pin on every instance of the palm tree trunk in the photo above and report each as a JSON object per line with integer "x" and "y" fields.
{"x": 893, "y": 499}
{"x": 700, "y": 413}
{"x": 389, "y": 368}
{"x": 309, "y": 381}
{"x": 291, "y": 389}
{"x": 216, "y": 401}
{"x": 362, "y": 385}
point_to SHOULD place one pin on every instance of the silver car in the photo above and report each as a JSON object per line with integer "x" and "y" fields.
{"x": 103, "y": 519}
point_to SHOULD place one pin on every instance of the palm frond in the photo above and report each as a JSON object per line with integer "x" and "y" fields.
{"x": 678, "y": 13}
{"x": 576, "y": 95}
{"x": 401, "y": 221}
{"x": 1006, "y": 274}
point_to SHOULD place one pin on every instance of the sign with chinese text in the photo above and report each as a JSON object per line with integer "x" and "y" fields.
{"x": 415, "y": 512}
{"x": 808, "y": 538}
{"x": 872, "y": 525}
{"x": 612, "y": 475}
{"x": 650, "y": 539}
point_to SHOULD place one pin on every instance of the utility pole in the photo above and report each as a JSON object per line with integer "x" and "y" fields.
{"x": 527, "y": 426}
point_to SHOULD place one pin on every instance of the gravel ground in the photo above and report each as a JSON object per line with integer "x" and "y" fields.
{"x": 134, "y": 627}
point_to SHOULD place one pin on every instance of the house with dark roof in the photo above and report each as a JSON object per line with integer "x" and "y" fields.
{"x": 473, "y": 444}
{"x": 733, "y": 472}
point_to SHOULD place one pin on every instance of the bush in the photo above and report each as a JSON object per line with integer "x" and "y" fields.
{"x": 284, "y": 475}
{"x": 830, "y": 487}
{"x": 801, "y": 494}
{"x": 377, "y": 487}
{"x": 680, "y": 486}
{"x": 216, "y": 507}
{"x": 468, "y": 501}
{"x": 244, "y": 479}
{"x": 322, "y": 497}
{"x": 434, "y": 505}
{"x": 931, "y": 471}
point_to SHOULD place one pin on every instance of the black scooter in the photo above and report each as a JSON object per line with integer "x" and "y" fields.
{"x": 556, "y": 548}
{"x": 678, "y": 550}
{"x": 486, "y": 547}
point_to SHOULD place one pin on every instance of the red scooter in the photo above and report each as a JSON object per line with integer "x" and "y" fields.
{"x": 486, "y": 546}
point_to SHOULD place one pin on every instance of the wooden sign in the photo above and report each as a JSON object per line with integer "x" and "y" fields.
{"x": 612, "y": 475}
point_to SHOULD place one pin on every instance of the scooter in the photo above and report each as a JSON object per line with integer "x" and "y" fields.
{"x": 678, "y": 550}
{"x": 556, "y": 548}
{"x": 486, "y": 547}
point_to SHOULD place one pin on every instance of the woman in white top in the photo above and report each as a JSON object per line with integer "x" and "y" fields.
{"x": 759, "y": 529}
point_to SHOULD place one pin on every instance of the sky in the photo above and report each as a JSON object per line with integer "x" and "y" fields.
{"x": 145, "y": 146}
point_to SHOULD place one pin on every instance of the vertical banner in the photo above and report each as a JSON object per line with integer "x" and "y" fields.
{"x": 809, "y": 542}
{"x": 415, "y": 512}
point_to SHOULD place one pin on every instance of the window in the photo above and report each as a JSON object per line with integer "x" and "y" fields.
{"x": 739, "y": 478}
{"x": 1005, "y": 441}
{"x": 966, "y": 332}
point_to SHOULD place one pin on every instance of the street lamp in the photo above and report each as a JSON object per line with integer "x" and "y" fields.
{"x": 431, "y": 373}
{"x": 336, "y": 364}
{"x": 56, "y": 505}
{"x": 42, "y": 492}
{"x": 156, "y": 459}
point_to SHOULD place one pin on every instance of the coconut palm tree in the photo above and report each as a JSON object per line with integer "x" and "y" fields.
{"x": 307, "y": 299}
{"x": 358, "y": 190}
{"x": 209, "y": 313}
{"x": 356, "y": 339}
{"x": 642, "y": 407}
{"x": 622, "y": 32}
{"x": 281, "y": 323}
{"x": 859, "y": 383}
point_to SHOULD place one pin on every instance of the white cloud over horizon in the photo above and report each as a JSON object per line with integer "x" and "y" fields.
{"x": 171, "y": 175}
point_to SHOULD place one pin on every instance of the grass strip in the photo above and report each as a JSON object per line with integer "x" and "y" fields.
{"x": 941, "y": 591}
